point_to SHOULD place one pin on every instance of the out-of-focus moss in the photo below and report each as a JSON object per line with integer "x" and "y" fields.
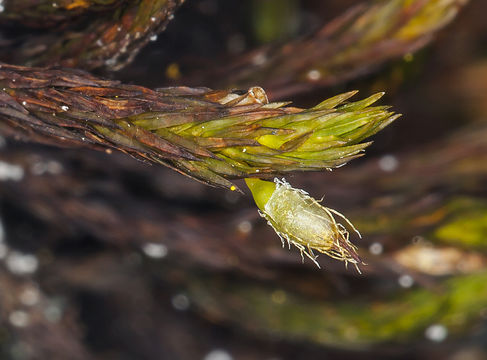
{"x": 464, "y": 224}
{"x": 456, "y": 304}
{"x": 467, "y": 229}
{"x": 460, "y": 222}
{"x": 275, "y": 19}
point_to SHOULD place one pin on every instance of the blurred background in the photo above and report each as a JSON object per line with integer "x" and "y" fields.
{"x": 104, "y": 257}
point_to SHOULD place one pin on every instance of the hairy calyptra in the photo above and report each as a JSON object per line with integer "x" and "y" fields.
{"x": 300, "y": 220}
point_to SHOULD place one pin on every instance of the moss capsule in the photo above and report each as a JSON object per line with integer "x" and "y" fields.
{"x": 300, "y": 220}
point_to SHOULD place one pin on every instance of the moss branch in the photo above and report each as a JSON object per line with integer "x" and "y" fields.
{"x": 86, "y": 34}
{"x": 209, "y": 135}
{"x": 353, "y": 44}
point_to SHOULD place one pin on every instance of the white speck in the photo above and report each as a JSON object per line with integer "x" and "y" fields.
{"x": 39, "y": 168}
{"x": 170, "y": 17}
{"x": 257, "y": 170}
{"x": 21, "y": 264}
{"x": 119, "y": 28}
{"x": 24, "y": 103}
{"x": 54, "y": 167}
{"x": 180, "y": 302}
{"x": 405, "y": 281}
{"x": 388, "y": 163}
{"x": 155, "y": 250}
{"x": 19, "y": 318}
{"x": 13, "y": 80}
{"x": 53, "y": 313}
{"x": 153, "y": 38}
{"x": 99, "y": 42}
{"x": 218, "y": 354}
{"x": 376, "y": 248}
{"x": 244, "y": 150}
{"x": 10, "y": 172}
{"x": 55, "y": 5}
{"x": 65, "y": 108}
{"x": 29, "y": 297}
{"x": 436, "y": 332}
{"x": 50, "y": 167}
{"x": 314, "y": 75}
{"x": 245, "y": 227}
{"x": 259, "y": 59}
{"x": 137, "y": 34}
{"x": 110, "y": 62}
{"x": 153, "y": 19}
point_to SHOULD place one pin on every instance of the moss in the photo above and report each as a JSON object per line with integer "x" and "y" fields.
{"x": 456, "y": 304}
{"x": 466, "y": 225}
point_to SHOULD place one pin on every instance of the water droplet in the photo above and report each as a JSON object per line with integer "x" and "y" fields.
{"x": 10, "y": 172}
{"x": 19, "y": 318}
{"x": 154, "y": 250}
{"x": 314, "y": 75}
{"x": 245, "y": 227}
{"x": 259, "y": 59}
{"x": 21, "y": 264}
{"x": 405, "y": 281}
{"x": 218, "y": 354}
{"x": 388, "y": 163}
{"x": 29, "y": 296}
{"x": 180, "y": 302}
{"x": 376, "y": 248}
{"x": 436, "y": 332}
{"x": 53, "y": 312}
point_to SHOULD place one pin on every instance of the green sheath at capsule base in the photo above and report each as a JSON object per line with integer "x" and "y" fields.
{"x": 300, "y": 220}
